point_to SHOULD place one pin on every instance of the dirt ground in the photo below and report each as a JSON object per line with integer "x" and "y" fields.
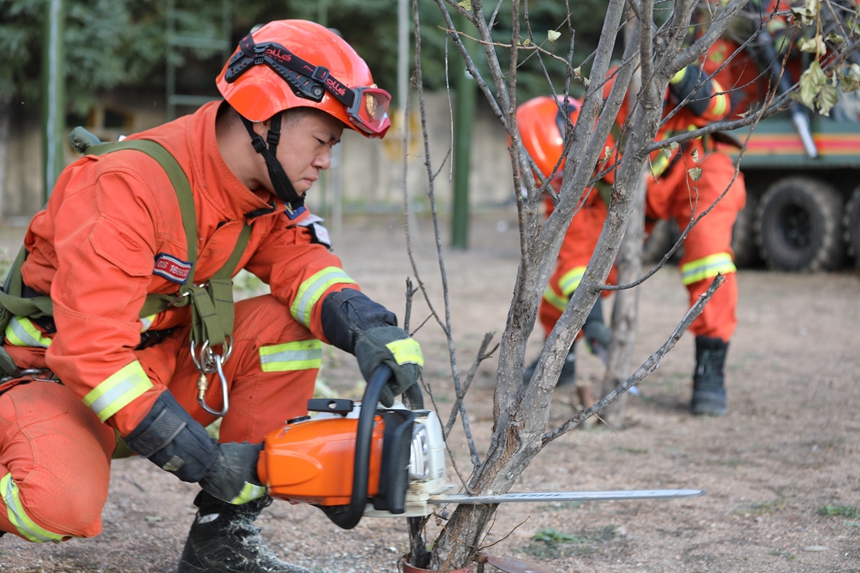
{"x": 787, "y": 450}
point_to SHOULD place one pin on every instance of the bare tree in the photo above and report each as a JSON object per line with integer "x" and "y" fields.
{"x": 653, "y": 53}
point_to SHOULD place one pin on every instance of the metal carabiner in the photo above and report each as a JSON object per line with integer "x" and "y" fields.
{"x": 206, "y": 361}
{"x": 203, "y": 386}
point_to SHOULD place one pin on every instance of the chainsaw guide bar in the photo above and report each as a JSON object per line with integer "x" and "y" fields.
{"x": 534, "y": 497}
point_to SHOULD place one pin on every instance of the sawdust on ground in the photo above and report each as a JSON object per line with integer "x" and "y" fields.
{"x": 787, "y": 451}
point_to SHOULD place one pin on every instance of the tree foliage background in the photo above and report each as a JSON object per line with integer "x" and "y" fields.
{"x": 111, "y": 44}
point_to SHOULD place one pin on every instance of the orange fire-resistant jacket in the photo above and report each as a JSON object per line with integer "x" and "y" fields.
{"x": 112, "y": 233}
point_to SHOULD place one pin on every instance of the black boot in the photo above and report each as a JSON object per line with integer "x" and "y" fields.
{"x": 709, "y": 390}
{"x": 223, "y": 539}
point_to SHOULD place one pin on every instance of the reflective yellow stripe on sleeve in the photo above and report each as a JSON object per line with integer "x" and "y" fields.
{"x": 313, "y": 288}
{"x": 19, "y": 518}
{"x": 720, "y": 101}
{"x": 707, "y": 267}
{"x": 300, "y": 355}
{"x": 118, "y": 391}
{"x": 554, "y": 300}
{"x": 406, "y": 351}
{"x": 570, "y": 280}
{"x": 22, "y": 332}
{"x": 146, "y": 322}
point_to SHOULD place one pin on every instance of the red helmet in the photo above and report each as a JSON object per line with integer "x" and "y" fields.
{"x": 296, "y": 63}
{"x": 542, "y": 126}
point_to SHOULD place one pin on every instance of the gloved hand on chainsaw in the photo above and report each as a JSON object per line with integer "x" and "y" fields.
{"x": 393, "y": 347}
{"x": 177, "y": 443}
{"x": 356, "y": 324}
{"x": 233, "y": 477}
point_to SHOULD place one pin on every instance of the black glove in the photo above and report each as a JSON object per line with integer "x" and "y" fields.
{"x": 393, "y": 347}
{"x": 356, "y": 324}
{"x": 174, "y": 441}
{"x": 233, "y": 478}
{"x": 693, "y": 83}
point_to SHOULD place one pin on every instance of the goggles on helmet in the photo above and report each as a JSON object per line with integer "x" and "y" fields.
{"x": 366, "y": 107}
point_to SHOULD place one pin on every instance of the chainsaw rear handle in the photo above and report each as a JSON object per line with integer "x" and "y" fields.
{"x": 348, "y": 516}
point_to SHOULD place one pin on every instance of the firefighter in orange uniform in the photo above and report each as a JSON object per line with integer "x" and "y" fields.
{"x": 116, "y": 241}
{"x": 675, "y": 191}
{"x": 542, "y": 126}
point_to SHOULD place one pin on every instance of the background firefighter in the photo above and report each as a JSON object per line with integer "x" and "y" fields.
{"x": 542, "y": 122}
{"x": 112, "y": 239}
{"x": 682, "y": 184}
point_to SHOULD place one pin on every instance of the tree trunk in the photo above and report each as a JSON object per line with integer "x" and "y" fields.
{"x": 4, "y": 152}
{"x": 626, "y": 308}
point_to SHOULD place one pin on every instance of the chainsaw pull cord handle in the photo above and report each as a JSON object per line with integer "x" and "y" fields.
{"x": 353, "y": 512}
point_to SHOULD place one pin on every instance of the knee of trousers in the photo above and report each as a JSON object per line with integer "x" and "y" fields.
{"x": 46, "y": 507}
{"x": 54, "y": 466}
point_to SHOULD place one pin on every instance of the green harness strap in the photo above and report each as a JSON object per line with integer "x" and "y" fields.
{"x": 212, "y": 312}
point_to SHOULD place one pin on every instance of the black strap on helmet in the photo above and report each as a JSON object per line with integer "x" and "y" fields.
{"x": 305, "y": 79}
{"x": 268, "y": 149}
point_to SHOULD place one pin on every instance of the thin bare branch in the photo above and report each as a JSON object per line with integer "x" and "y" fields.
{"x": 647, "y": 367}
{"x": 482, "y": 355}
{"x": 446, "y": 326}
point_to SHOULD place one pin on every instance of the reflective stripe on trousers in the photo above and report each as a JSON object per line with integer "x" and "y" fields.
{"x": 299, "y": 355}
{"x": 707, "y": 267}
{"x": 567, "y": 284}
{"x": 18, "y": 517}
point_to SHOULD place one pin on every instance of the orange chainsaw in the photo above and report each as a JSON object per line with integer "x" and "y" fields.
{"x": 352, "y": 461}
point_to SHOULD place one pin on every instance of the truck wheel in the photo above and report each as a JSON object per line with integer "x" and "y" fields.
{"x": 852, "y": 226}
{"x": 743, "y": 236}
{"x": 798, "y": 226}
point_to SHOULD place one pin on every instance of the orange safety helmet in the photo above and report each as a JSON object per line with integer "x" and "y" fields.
{"x": 542, "y": 126}
{"x": 296, "y": 63}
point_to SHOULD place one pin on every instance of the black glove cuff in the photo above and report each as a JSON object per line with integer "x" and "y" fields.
{"x": 173, "y": 440}
{"x": 699, "y": 97}
{"x": 348, "y": 313}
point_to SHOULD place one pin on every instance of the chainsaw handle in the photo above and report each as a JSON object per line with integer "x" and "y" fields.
{"x": 349, "y": 515}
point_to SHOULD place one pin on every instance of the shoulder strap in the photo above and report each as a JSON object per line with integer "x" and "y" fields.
{"x": 212, "y": 308}
{"x": 177, "y": 178}
{"x": 212, "y": 313}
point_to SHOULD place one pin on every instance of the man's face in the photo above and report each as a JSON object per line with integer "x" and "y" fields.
{"x": 305, "y": 147}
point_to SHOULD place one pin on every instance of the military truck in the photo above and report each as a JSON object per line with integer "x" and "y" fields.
{"x": 802, "y": 212}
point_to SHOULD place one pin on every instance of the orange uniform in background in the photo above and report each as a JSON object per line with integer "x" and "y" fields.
{"x": 579, "y": 243}
{"x": 542, "y": 123}
{"x": 673, "y": 193}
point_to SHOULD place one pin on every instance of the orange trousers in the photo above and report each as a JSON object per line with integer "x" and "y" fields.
{"x": 55, "y": 454}
{"x": 576, "y": 248}
{"x": 707, "y": 248}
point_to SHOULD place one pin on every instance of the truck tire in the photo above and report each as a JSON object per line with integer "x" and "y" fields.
{"x": 852, "y": 226}
{"x": 743, "y": 236}
{"x": 798, "y": 226}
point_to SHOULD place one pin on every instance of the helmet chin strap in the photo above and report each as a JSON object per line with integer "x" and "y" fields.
{"x": 280, "y": 182}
